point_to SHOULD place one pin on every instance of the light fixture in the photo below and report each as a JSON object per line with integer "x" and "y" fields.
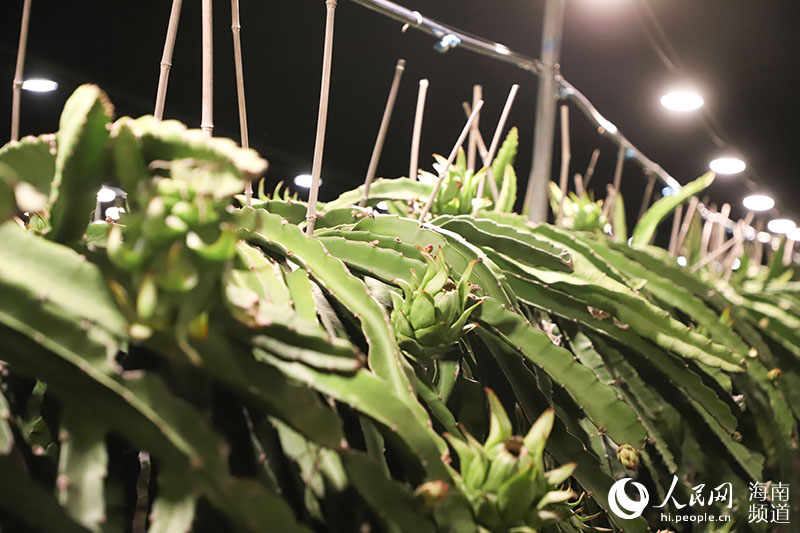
{"x": 727, "y": 165}
{"x": 793, "y": 234}
{"x": 780, "y": 225}
{"x": 304, "y": 181}
{"x": 682, "y": 101}
{"x": 39, "y": 85}
{"x": 106, "y": 194}
{"x": 114, "y": 213}
{"x": 758, "y": 202}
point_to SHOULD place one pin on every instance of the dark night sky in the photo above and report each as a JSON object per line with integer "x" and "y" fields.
{"x": 742, "y": 53}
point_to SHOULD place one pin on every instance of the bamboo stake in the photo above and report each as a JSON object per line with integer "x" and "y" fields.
{"x": 387, "y": 117}
{"x": 166, "y": 59}
{"x": 489, "y": 156}
{"x": 590, "y": 169}
{"x": 566, "y": 156}
{"x": 484, "y": 153}
{"x": 758, "y": 245}
{"x": 322, "y": 117}
{"x": 673, "y": 237}
{"x": 648, "y": 194}
{"x": 579, "y": 188}
{"x": 459, "y": 143}
{"x": 611, "y": 198}
{"x": 687, "y": 223}
{"x": 738, "y": 234}
{"x": 713, "y": 255}
{"x": 788, "y": 248}
{"x": 413, "y": 167}
{"x": 207, "y": 119}
{"x": 708, "y": 229}
{"x": 477, "y": 95}
{"x": 722, "y": 224}
{"x": 16, "y": 88}
{"x": 236, "y": 29}
{"x": 482, "y": 150}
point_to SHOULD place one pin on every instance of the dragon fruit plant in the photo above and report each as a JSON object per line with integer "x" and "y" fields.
{"x": 199, "y": 365}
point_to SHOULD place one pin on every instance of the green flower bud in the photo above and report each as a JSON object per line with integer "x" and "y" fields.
{"x": 432, "y": 313}
{"x": 774, "y": 374}
{"x": 628, "y": 456}
{"x": 430, "y": 495}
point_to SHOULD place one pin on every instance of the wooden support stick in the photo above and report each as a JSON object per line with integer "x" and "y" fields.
{"x": 738, "y": 235}
{"x": 566, "y": 156}
{"x": 387, "y": 118}
{"x": 413, "y": 167}
{"x": 472, "y": 146}
{"x": 648, "y": 194}
{"x": 788, "y": 248}
{"x": 713, "y": 255}
{"x": 166, "y": 58}
{"x": 687, "y": 223}
{"x": 482, "y": 150}
{"x": 579, "y": 188}
{"x": 673, "y": 237}
{"x": 757, "y": 244}
{"x": 495, "y": 145}
{"x": 484, "y": 153}
{"x": 708, "y": 230}
{"x": 611, "y": 198}
{"x": 16, "y": 88}
{"x": 236, "y": 29}
{"x": 590, "y": 169}
{"x": 207, "y": 119}
{"x": 722, "y": 225}
{"x": 453, "y": 154}
{"x": 322, "y": 117}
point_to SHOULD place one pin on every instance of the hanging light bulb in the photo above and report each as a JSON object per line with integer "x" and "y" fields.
{"x": 781, "y": 225}
{"x": 758, "y": 202}
{"x": 727, "y": 165}
{"x": 39, "y": 85}
{"x": 682, "y": 101}
{"x": 304, "y": 181}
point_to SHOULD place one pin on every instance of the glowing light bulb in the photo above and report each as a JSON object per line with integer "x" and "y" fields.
{"x": 780, "y": 225}
{"x": 758, "y": 202}
{"x": 304, "y": 181}
{"x": 727, "y": 165}
{"x": 106, "y": 195}
{"x": 39, "y": 85}
{"x": 682, "y": 101}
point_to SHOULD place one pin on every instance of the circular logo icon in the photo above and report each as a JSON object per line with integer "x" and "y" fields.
{"x": 622, "y": 505}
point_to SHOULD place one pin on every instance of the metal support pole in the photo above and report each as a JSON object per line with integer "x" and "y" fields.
{"x": 553, "y": 29}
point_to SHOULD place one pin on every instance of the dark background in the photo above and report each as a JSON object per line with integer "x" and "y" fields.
{"x": 743, "y": 54}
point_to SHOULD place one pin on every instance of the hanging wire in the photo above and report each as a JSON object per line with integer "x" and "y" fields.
{"x": 453, "y": 37}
